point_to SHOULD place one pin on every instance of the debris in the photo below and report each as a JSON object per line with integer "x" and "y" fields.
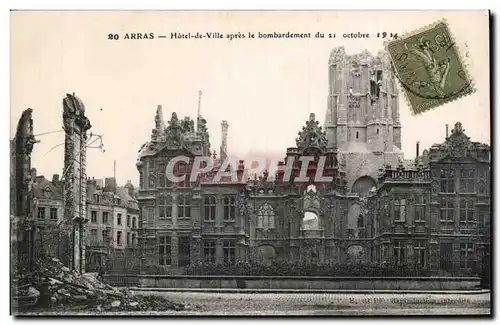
{"x": 53, "y": 285}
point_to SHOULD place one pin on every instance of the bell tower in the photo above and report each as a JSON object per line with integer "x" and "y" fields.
{"x": 362, "y": 115}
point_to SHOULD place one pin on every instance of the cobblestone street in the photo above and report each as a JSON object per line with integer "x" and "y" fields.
{"x": 328, "y": 304}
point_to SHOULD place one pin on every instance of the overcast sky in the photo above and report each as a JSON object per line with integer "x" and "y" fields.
{"x": 264, "y": 88}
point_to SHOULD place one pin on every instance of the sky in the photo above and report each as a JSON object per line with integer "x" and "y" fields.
{"x": 264, "y": 88}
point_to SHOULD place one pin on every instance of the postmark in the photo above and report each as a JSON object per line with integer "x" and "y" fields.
{"x": 429, "y": 67}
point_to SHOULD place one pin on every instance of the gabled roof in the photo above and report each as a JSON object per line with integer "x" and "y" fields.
{"x": 41, "y": 186}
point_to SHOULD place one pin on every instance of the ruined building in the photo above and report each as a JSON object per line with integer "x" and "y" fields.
{"x": 372, "y": 209}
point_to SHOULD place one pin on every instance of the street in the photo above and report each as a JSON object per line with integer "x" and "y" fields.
{"x": 199, "y": 303}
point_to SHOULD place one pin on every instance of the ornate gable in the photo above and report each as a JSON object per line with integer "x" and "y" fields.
{"x": 459, "y": 147}
{"x": 312, "y": 135}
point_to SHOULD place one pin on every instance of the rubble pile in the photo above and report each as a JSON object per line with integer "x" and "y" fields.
{"x": 56, "y": 285}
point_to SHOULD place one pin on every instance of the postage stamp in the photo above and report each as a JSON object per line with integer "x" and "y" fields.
{"x": 428, "y": 65}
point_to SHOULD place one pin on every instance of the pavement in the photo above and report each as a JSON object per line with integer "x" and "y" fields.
{"x": 374, "y": 304}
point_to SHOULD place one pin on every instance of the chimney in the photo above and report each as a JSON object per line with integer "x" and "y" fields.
{"x": 55, "y": 179}
{"x": 418, "y": 148}
{"x": 446, "y": 130}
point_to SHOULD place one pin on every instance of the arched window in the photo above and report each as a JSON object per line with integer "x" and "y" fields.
{"x": 357, "y": 135}
{"x": 377, "y": 131}
{"x": 209, "y": 208}
{"x": 265, "y": 218}
{"x": 361, "y": 221}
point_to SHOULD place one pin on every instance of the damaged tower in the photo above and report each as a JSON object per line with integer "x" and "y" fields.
{"x": 223, "y": 143}
{"x": 76, "y": 125}
{"x": 362, "y": 117}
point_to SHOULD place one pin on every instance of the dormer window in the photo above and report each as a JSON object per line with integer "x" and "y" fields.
{"x": 97, "y": 198}
{"x": 47, "y": 192}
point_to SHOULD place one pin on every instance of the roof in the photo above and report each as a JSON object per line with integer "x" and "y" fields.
{"x": 45, "y": 189}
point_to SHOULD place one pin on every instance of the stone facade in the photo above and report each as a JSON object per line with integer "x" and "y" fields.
{"x": 436, "y": 215}
{"x": 362, "y": 116}
{"x": 349, "y": 218}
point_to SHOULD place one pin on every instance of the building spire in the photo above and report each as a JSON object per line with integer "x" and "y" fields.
{"x": 159, "y": 130}
{"x": 198, "y": 116}
{"x": 223, "y": 144}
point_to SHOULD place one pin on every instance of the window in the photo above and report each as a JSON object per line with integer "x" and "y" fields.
{"x": 399, "y": 252}
{"x": 53, "y": 213}
{"x": 466, "y": 211}
{"x": 162, "y": 182}
{"x": 265, "y": 217}
{"x": 105, "y": 219}
{"x": 41, "y": 213}
{"x": 184, "y": 251}
{"x": 97, "y": 198}
{"x": 119, "y": 238}
{"x": 229, "y": 249}
{"x": 420, "y": 248}
{"x": 399, "y": 208}
{"x": 377, "y": 131}
{"x": 128, "y": 238}
{"x": 209, "y": 208}
{"x": 447, "y": 210}
{"x": 467, "y": 180}
{"x": 133, "y": 239}
{"x": 209, "y": 251}
{"x": 420, "y": 202}
{"x": 229, "y": 208}
{"x": 357, "y": 135}
{"x": 93, "y": 235}
{"x": 361, "y": 221}
{"x": 128, "y": 220}
{"x": 483, "y": 217}
{"x": 47, "y": 192}
{"x": 447, "y": 180}
{"x": 119, "y": 219}
{"x": 93, "y": 216}
{"x": 184, "y": 207}
{"x": 165, "y": 251}
{"x": 467, "y": 256}
{"x": 165, "y": 207}
{"x": 105, "y": 236}
{"x": 134, "y": 222}
{"x": 445, "y": 256}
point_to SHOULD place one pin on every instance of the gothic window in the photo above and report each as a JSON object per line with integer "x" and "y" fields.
{"x": 420, "y": 203}
{"x": 229, "y": 249}
{"x": 361, "y": 221}
{"x": 265, "y": 218}
{"x": 209, "y": 251}
{"x": 165, "y": 250}
{"x": 446, "y": 256}
{"x": 133, "y": 239}
{"x": 467, "y": 180}
{"x": 399, "y": 252}
{"x": 420, "y": 248}
{"x": 399, "y": 210}
{"x": 446, "y": 210}
{"x": 447, "y": 180}
{"x": 184, "y": 251}
{"x": 184, "y": 206}
{"x": 467, "y": 256}
{"x": 229, "y": 208}
{"x": 209, "y": 208}
{"x": 466, "y": 211}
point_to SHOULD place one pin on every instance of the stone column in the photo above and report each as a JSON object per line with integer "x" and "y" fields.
{"x": 195, "y": 247}
{"x": 174, "y": 239}
{"x": 219, "y": 252}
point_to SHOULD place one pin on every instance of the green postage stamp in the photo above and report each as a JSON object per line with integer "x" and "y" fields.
{"x": 429, "y": 67}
